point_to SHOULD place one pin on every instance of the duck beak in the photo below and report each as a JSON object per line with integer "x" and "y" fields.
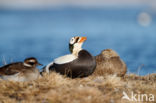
{"x": 40, "y": 64}
{"x": 82, "y": 39}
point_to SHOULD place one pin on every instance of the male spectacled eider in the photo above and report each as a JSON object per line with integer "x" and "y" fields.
{"x": 21, "y": 71}
{"x": 80, "y": 63}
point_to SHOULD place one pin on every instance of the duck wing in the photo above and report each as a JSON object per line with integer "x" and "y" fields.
{"x": 10, "y": 69}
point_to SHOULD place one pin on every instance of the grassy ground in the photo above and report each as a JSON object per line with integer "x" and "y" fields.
{"x": 55, "y": 88}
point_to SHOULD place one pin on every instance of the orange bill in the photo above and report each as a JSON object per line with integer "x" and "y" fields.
{"x": 83, "y": 39}
{"x": 40, "y": 64}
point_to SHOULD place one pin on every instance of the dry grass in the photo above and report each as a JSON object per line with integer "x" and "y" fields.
{"x": 55, "y": 88}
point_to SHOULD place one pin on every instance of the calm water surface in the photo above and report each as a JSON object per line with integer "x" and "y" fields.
{"x": 44, "y": 34}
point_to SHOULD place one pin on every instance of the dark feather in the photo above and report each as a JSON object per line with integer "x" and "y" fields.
{"x": 83, "y": 66}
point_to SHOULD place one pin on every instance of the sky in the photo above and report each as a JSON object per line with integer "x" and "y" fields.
{"x": 82, "y": 3}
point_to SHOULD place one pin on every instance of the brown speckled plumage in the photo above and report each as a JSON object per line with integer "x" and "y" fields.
{"x": 20, "y": 71}
{"x": 109, "y": 62}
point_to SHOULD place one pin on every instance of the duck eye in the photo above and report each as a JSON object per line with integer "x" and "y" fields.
{"x": 31, "y": 63}
{"x": 72, "y": 41}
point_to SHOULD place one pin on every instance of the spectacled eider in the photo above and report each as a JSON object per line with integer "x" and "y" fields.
{"x": 80, "y": 63}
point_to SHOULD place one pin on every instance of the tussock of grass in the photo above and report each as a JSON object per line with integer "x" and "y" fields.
{"x": 55, "y": 88}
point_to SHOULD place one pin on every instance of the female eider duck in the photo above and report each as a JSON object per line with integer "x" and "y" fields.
{"x": 110, "y": 63}
{"x": 20, "y": 71}
{"x": 80, "y": 63}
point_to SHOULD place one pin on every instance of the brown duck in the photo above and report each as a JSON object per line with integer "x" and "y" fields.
{"x": 20, "y": 71}
{"x": 109, "y": 62}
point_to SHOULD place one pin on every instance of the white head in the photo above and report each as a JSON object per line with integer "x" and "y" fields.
{"x": 75, "y": 44}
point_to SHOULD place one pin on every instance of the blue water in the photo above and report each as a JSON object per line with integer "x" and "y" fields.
{"x": 44, "y": 34}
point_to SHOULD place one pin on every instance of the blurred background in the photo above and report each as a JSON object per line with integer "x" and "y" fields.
{"x": 43, "y": 28}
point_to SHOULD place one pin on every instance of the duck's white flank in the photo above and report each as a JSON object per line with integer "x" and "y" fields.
{"x": 61, "y": 60}
{"x": 22, "y": 77}
{"x": 65, "y": 59}
{"x": 14, "y": 77}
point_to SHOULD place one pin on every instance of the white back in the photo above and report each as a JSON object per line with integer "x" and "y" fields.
{"x": 65, "y": 59}
{"x": 61, "y": 60}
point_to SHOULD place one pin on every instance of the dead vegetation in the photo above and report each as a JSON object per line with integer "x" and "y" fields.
{"x": 55, "y": 88}
{"x": 101, "y": 87}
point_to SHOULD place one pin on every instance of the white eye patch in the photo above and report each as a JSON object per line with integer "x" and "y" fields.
{"x": 32, "y": 61}
{"x": 72, "y": 40}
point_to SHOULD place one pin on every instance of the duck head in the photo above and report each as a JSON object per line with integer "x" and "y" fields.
{"x": 75, "y": 44}
{"x": 31, "y": 62}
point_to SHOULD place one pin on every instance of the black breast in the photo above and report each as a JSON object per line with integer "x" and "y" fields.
{"x": 83, "y": 66}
